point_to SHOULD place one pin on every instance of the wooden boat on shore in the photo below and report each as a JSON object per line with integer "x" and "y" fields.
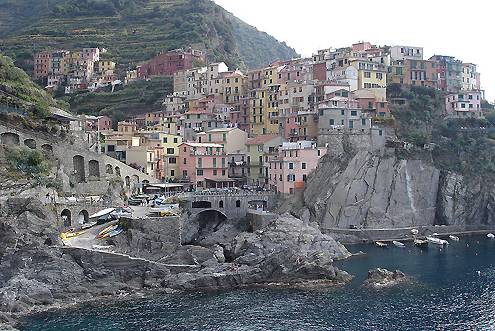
{"x": 105, "y": 232}
{"x": 437, "y": 241}
{"x": 421, "y": 243}
{"x": 454, "y": 238}
{"x": 398, "y": 244}
{"x": 381, "y": 244}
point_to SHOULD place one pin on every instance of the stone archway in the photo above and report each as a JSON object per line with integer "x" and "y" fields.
{"x": 127, "y": 181}
{"x": 9, "y": 138}
{"x": 204, "y": 224}
{"x": 83, "y": 217}
{"x": 109, "y": 169}
{"x": 94, "y": 170}
{"x": 117, "y": 171}
{"x": 66, "y": 218}
{"x": 220, "y": 204}
{"x": 31, "y": 143}
{"x": 79, "y": 169}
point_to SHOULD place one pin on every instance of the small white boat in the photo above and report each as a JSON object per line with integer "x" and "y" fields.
{"x": 381, "y": 244}
{"x": 491, "y": 235}
{"x": 437, "y": 241}
{"x": 398, "y": 244}
{"x": 421, "y": 243}
{"x": 454, "y": 238}
{"x": 102, "y": 213}
{"x": 414, "y": 231}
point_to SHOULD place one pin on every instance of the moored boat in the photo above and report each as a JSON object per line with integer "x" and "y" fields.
{"x": 398, "y": 244}
{"x": 437, "y": 241}
{"x": 490, "y": 235}
{"x": 381, "y": 244}
{"x": 454, "y": 238}
{"x": 104, "y": 233}
{"x": 421, "y": 243}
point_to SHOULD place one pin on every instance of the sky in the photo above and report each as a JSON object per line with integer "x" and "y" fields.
{"x": 464, "y": 29}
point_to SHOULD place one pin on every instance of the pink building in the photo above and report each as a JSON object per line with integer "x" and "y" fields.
{"x": 289, "y": 169}
{"x": 98, "y": 123}
{"x": 204, "y": 165}
{"x": 464, "y": 104}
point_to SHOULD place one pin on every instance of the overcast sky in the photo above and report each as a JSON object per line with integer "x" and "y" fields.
{"x": 464, "y": 29}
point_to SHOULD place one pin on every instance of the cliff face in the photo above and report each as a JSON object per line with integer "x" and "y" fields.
{"x": 382, "y": 191}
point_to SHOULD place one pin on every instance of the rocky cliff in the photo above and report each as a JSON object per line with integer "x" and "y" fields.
{"x": 372, "y": 191}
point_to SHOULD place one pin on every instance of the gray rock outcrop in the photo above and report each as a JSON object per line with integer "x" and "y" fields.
{"x": 380, "y": 278}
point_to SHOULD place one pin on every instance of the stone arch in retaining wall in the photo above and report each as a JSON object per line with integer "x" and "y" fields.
{"x": 127, "y": 181}
{"x": 66, "y": 217}
{"x": 220, "y": 204}
{"x": 83, "y": 217}
{"x": 117, "y": 171}
{"x": 79, "y": 171}
{"x": 94, "y": 169}
{"x": 109, "y": 169}
{"x": 31, "y": 143}
{"x": 9, "y": 138}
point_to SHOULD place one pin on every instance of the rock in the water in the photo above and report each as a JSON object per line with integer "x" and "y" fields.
{"x": 379, "y": 278}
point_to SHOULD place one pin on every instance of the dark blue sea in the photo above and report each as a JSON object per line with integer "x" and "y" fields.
{"x": 448, "y": 294}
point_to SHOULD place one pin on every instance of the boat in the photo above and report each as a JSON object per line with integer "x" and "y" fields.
{"x": 115, "y": 232}
{"x": 414, "y": 231}
{"x": 491, "y": 235}
{"x": 381, "y": 244}
{"x": 104, "y": 233}
{"x": 454, "y": 238}
{"x": 398, "y": 244}
{"x": 437, "y": 241}
{"x": 102, "y": 213}
{"x": 421, "y": 243}
{"x": 86, "y": 226}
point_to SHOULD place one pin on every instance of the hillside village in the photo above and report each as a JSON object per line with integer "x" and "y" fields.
{"x": 265, "y": 128}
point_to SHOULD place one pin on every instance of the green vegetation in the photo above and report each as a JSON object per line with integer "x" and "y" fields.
{"x": 19, "y": 93}
{"x": 465, "y": 146}
{"x": 27, "y": 161}
{"x": 133, "y": 30}
{"x": 136, "y": 98}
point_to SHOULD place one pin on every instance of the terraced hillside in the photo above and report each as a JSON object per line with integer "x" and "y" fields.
{"x": 133, "y": 30}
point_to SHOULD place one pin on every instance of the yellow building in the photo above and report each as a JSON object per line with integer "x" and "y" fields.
{"x": 234, "y": 87}
{"x": 260, "y": 148}
{"x": 371, "y": 76}
{"x": 101, "y": 67}
{"x": 264, "y": 110}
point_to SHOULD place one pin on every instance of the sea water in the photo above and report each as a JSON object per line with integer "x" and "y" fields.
{"x": 448, "y": 293}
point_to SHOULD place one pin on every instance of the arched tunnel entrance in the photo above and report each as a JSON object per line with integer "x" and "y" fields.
{"x": 203, "y": 225}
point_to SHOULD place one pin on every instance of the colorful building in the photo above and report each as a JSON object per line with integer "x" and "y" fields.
{"x": 464, "y": 104}
{"x": 290, "y": 168}
{"x": 204, "y": 165}
{"x": 168, "y": 63}
{"x": 259, "y": 150}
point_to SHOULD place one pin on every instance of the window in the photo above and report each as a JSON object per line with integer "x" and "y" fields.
{"x": 238, "y": 203}
{"x": 172, "y": 160}
{"x": 185, "y": 161}
{"x": 379, "y": 75}
{"x": 172, "y": 173}
{"x": 353, "y": 112}
{"x": 291, "y": 165}
{"x": 214, "y": 162}
{"x": 199, "y": 172}
{"x": 342, "y": 112}
{"x": 367, "y": 74}
{"x": 175, "y": 139}
{"x": 332, "y": 121}
{"x": 223, "y": 172}
{"x": 214, "y": 172}
{"x": 303, "y": 165}
{"x": 170, "y": 151}
{"x": 304, "y": 177}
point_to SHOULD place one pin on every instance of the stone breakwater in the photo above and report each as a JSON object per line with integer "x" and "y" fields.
{"x": 38, "y": 272}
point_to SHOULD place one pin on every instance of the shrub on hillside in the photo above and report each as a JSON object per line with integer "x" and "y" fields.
{"x": 27, "y": 161}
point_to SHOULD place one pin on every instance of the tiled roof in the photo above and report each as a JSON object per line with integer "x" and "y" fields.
{"x": 261, "y": 139}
